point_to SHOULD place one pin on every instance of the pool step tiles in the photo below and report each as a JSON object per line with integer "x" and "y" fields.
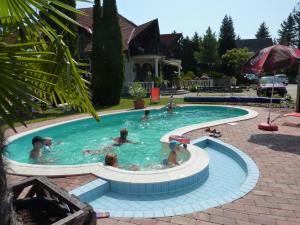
{"x": 161, "y": 187}
{"x": 91, "y": 191}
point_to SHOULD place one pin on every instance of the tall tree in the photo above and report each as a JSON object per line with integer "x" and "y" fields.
{"x": 97, "y": 65}
{"x": 188, "y": 46}
{"x": 263, "y": 31}
{"x": 296, "y": 15}
{"x": 226, "y": 36}
{"x": 208, "y": 49}
{"x": 109, "y": 74}
{"x": 287, "y": 33}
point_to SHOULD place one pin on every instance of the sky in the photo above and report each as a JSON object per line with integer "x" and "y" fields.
{"x": 190, "y": 16}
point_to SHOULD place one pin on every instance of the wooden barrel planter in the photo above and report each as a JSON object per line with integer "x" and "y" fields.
{"x": 38, "y": 201}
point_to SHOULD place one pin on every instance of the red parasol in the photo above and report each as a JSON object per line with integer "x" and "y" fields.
{"x": 271, "y": 59}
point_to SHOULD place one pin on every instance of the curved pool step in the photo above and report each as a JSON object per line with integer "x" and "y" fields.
{"x": 91, "y": 191}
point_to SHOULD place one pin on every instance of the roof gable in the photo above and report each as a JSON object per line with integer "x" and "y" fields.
{"x": 254, "y": 45}
{"x": 129, "y": 29}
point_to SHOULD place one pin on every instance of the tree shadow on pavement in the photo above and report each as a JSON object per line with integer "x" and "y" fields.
{"x": 278, "y": 142}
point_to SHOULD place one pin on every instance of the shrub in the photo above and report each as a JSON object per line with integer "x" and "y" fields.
{"x": 137, "y": 91}
{"x": 189, "y": 75}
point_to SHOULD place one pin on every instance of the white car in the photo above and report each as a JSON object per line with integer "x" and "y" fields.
{"x": 282, "y": 78}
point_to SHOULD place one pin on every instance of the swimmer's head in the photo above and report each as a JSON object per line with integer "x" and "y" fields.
{"x": 147, "y": 112}
{"x": 173, "y": 144}
{"x": 48, "y": 141}
{"x": 124, "y": 133}
{"x": 111, "y": 160}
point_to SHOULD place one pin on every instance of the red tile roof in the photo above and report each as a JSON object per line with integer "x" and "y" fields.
{"x": 129, "y": 29}
{"x": 169, "y": 39}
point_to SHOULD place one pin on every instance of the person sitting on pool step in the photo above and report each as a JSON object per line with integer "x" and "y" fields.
{"x": 172, "y": 158}
{"x": 112, "y": 160}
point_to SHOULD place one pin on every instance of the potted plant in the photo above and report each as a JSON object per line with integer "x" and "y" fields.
{"x": 138, "y": 93}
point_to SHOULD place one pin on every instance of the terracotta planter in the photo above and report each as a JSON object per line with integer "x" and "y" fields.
{"x": 139, "y": 104}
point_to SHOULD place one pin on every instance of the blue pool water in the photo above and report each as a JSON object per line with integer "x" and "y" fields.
{"x": 71, "y": 139}
{"x": 231, "y": 175}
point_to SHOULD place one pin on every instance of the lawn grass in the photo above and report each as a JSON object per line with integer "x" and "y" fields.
{"x": 52, "y": 113}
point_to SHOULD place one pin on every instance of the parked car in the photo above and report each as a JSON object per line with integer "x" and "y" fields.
{"x": 265, "y": 86}
{"x": 283, "y": 78}
{"x": 252, "y": 78}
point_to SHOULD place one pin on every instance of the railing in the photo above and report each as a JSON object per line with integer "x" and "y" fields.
{"x": 147, "y": 85}
{"x": 196, "y": 83}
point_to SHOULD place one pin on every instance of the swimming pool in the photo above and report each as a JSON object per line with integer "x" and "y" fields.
{"x": 71, "y": 139}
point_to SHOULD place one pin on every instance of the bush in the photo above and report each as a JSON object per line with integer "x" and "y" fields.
{"x": 193, "y": 89}
{"x": 189, "y": 75}
{"x": 216, "y": 75}
{"x": 137, "y": 91}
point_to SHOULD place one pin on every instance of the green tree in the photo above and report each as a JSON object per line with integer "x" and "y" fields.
{"x": 263, "y": 31}
{"x": 208, "y": 48}
{"x": 287, "y": 33}
{"x": 296, "y": 15}
{"x": 98, "y": 59}
{"x": 235, "y": 59}
{"x": 36, "y": 67}
{"x": 109, "y": 74}
{"x": 226, "y": 36}
{"x": 188, "y": 47}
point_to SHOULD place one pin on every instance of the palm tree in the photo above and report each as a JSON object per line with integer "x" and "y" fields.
{"x": 35, "y": 63}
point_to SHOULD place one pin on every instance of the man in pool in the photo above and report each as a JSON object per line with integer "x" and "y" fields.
{"x": 37, "y": 143}
{"x": 123, "y": 138}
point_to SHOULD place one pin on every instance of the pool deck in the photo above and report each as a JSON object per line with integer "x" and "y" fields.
{"x": 275, "y": 199}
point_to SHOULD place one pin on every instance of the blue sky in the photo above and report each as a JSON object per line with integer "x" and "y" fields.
{"x": 188, "y": 16}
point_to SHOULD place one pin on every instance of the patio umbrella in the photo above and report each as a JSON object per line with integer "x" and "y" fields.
{"x": 274, "y": 58}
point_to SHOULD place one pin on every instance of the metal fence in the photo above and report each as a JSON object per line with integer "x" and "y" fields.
{"x": 196, "y": 83}
{"x": 147, "y": 85}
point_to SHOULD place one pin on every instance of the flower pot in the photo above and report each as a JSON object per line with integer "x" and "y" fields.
{"x": 139, "y": 104}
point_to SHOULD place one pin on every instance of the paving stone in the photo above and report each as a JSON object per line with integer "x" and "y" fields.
{"x": 183, "y": 220}
{"x": 221, "y": 220}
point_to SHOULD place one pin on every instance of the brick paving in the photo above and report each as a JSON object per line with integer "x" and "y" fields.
{"x": 274, "y": 200}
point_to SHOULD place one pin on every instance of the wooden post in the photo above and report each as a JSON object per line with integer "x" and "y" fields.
{"x": 298, "y": 92}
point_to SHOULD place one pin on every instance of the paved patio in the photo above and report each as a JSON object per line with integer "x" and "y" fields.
{"x": 275, "y": 199}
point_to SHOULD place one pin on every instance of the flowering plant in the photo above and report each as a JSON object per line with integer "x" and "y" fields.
{"x": 137, "y": 91}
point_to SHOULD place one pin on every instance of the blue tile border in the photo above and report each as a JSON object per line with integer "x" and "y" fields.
{"x": 172, "y": 203}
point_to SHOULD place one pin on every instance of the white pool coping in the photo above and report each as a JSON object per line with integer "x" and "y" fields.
{"x": 198, "y": 161}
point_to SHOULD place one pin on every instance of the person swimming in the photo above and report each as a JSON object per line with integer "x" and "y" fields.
{"x": 37, "y": 143}
{"x": 171, "y": 104}
{"x": 48, "y": 144}
{"x": 122, "y": 139}
{"x": 146, "y": 115}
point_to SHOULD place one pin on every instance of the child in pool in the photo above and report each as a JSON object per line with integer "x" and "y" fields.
{"x": 47, "y": 144}
{"x": 112, "y": 160}
{"x": 172, "y": 158}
